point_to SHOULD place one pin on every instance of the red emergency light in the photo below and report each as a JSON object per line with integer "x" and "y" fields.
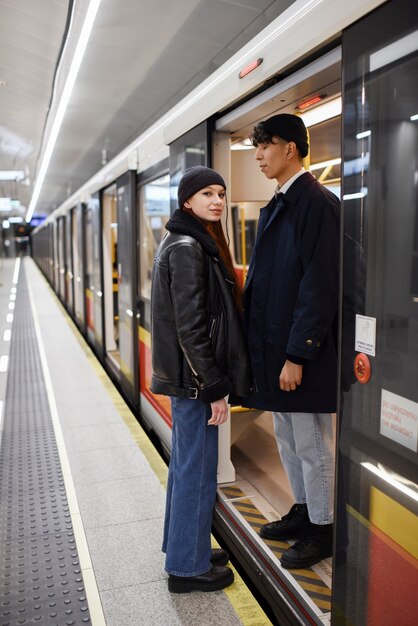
{"x": 249, "y": 68}
{"x": 308, "y": 103}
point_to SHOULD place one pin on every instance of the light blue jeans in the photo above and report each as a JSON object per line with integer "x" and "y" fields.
{"x": 191, "y": 489}
{"x": 307, "y": 449}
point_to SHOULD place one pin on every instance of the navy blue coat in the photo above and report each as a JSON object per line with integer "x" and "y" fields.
{"x": 291, "y": 298}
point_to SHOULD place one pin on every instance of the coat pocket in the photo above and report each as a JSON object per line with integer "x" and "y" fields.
{"x": 213, "y": 328}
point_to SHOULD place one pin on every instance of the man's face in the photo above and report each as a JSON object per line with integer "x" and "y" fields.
{"x": 272, "y": 158}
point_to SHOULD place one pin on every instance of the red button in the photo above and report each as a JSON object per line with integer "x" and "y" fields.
{"x": 362, "y": 368}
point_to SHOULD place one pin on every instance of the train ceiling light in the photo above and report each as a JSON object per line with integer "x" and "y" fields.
{"x": 321, "y": 113}
{"x": 14, "y": 175}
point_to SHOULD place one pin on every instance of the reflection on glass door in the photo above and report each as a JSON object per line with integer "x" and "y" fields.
{"x": 376, "y": 566}
{"x": 110, "y": 274}
{"x": 127, "y": 284}
{"x": 154, "y": 212}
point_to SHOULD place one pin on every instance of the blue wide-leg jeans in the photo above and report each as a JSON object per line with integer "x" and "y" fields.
{"x": 191, "y": 489}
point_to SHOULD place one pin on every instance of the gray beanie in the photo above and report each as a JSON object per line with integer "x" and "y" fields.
{"x": 197, "y": 178}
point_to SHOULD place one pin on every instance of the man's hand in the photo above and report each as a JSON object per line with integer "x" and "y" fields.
{"x": 219, "y": 412}
{"x": 290, "y": 376}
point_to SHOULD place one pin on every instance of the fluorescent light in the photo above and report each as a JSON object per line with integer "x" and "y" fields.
{"x": 16, "y": 272}
{"x": 395, "y": 51}
{"x": 12, "y": 175}
{"x": 11, "y": 306}
{"x": 365, "y": 133}
{"x": 7, "y": 334}
{"x": 13, "y": 290}
{"x": 320, "y": 166}
{"x": 355, "y": 196}
{"x": 323, "y": 112}
{"x": 245, "y": 144}
{"x": 65, "y": 98}
{"x": 12, "y": 297}
{"x": 414, "y": 118}
{"x": 9, "y": 318}
{"x": 4, "y": 360}
{"x": 15, "y": 220}
{"x": 387, "y": 477}
{"x": 6, "y": 224}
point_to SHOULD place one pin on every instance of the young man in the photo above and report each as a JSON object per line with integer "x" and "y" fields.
{"x": 290, "y": 301}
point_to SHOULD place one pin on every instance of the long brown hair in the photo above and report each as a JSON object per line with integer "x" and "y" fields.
{"x": 216, "y": 231}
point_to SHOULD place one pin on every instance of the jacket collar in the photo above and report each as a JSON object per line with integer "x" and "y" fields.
{"x": 183, "y": 223}
{"x": 292, "y": 194}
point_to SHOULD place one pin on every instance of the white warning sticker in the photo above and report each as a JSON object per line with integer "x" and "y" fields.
{"x": 366, "y": 334}
{"x": 399, "y": 419}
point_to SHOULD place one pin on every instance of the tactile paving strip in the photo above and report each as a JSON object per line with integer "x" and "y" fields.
{"x": 308, "y": 579}
{"x": 40, "y": 577}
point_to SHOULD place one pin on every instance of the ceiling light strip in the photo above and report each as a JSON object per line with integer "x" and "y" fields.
{"x": 65, "y": 98}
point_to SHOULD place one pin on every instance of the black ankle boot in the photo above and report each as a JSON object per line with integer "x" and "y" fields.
{"x": 314, "y": 546}
{"x": 293, "y": 525}
{"x": 219, "y": 556}
{"x": 215, "y": 579}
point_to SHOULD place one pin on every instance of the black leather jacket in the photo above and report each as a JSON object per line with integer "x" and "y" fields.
{"x": 198, "y": 345}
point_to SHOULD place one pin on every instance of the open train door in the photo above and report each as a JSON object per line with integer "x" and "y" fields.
{"x": 377, "y": 524}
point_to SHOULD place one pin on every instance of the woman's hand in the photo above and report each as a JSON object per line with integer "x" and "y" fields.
{"x": 219, "y": 412}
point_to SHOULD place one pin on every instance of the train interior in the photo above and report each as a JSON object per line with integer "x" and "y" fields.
{"x": 254, "y": 454}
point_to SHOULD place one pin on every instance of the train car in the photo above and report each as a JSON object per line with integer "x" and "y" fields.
{"x": 348, "y": 68}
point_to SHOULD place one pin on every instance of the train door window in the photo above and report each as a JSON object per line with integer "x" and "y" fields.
{"x": 90, "y": 288}
{"x": 126, "y": 219}
{"x": 110, "y": 272}
{"x": 192, "y": 148}
{"x": 154, "y": 211}
{"x": 96, "y": 275}
{"x": 377, "y": 521}
{"x": 78, "y": 234}
{"x": 56, "y": 263}
{"x": 61, "y": 257}
{"x": 69, "y": 276}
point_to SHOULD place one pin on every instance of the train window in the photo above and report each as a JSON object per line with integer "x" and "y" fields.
{"x": 154, "y": 211}
{"x": 192, "y": 148}
{"x": 244, "y": 232}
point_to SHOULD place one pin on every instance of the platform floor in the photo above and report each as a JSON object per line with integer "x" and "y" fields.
{"x": 82, "y": 489}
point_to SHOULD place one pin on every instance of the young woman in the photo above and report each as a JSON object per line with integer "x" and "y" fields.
{"x": 199, "y": 356}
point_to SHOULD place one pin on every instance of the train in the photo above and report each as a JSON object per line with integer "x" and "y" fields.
{"x": 348, "y": 69}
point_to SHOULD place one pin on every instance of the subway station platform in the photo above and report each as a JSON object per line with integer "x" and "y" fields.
{"x": 82, "y": 489}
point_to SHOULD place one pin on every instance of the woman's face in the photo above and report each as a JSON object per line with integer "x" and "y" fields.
{"x": 208, "y": 203}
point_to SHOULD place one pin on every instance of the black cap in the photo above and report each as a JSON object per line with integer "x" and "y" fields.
{"x": 197, "y": 178}
{"x": 290, "y": 128}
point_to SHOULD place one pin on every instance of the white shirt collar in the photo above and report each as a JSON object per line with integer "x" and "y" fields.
{"x": 289, "y": 182}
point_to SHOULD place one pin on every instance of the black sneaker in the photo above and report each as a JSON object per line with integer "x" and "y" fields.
{"x": 312, "y": 548}
{"x": 215, "y": 579}
{"x": 293, "y": 525}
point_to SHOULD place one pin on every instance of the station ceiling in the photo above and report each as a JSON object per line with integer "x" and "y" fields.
{"x": 143, "y": 57}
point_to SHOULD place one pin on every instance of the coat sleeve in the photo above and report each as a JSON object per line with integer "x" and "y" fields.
{"x": 188, "y": 290}
{"x": 317, "y": 299}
